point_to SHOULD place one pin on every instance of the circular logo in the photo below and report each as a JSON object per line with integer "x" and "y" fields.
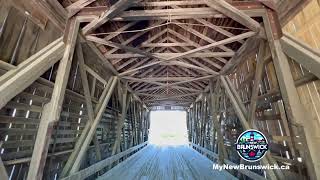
{"x": 252, "y": 145}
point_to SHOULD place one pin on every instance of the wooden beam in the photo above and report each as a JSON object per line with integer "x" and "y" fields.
{"x": 90, "y": 112}
{"x": 165, "y": 95}
{"x": 222, "y": 42}
{"x": 247, "y": 48}
{"x": 234, "y": 13}
{"x": 84, "y": 173}
{"x": 105, "y": 97}
{"x": 170, "y": 78}
{"x": 217, "y": 28}
{"x": 162, "y": 14}
{"x": 190, "y": 66}
{"x": 120, "y": 46}
{"x": 303, "y": 54}
{"x": 202, "y": 36}
{"x": 51, "y": 111}
{"x": 112, "y": 12}
{"x": 294, "y": 110}
{"x": 166, "y": 55}
{"x": 77, "y": 6}
{"x": 176, "y": 97}
{"x": 16, "y": 80}
{"x": 215, "y": 44}
{"x": 164, "y": 44}
{"x": 169, "y": 3}
{"x": 125, "y": 106}
{"x": 171, "y": 87}
{"x": 242, "y": 114}
{"x": 257, "y": 79}
{"x": 215, "y": 120}
{"x": 206, "y": 59}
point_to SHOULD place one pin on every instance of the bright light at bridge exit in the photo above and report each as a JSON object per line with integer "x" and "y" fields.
{"x": 168, "y": 128}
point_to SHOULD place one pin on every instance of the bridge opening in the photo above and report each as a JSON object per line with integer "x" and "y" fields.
{"x": 159, "y": 89}
{"x": 168, "y": 128}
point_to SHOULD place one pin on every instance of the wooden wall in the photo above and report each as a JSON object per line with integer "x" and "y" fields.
{"x": 306, "y": 27}
{"x": 21, "y": 37}
{"x": 286, "y": 147}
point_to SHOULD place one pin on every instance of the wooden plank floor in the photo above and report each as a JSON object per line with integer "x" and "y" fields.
{"x": 165, "y": 163}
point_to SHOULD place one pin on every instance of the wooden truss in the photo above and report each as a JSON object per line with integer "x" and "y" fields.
{"x": 182, "y": 48}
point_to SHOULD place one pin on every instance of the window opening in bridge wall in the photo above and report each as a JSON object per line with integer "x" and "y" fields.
{"x": 168, "y": 128}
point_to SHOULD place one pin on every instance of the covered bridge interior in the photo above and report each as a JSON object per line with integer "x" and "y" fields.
{"x": 79, "y": 78}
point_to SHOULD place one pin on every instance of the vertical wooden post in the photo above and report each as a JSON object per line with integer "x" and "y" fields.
{"x": 120, "y": 124}
{"x": 216, "y": 123}
{"x": 294, "y": 109}
{"x": 257, "y": 79}
{"x": 91, "y": 114}
{"x": 105, "y": 97}
{"x": 51, "y": 111}
{"x": 87, "y": 96}
{"x": 242, "y": 114}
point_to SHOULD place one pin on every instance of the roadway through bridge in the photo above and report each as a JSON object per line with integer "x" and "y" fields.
{"x": 166, "y": 162}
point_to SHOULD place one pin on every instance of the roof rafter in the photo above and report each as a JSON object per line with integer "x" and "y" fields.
{"x": 112, "y": 12}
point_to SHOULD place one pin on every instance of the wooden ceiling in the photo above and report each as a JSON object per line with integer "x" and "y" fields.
{"x": 168, "y": 50}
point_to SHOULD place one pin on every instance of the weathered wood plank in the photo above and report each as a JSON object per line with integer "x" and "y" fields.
{"x": 19, "y": 78}
{"x": 52, "y": 110}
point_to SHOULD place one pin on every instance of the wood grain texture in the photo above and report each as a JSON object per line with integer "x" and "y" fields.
{"x": 169, "y": 162}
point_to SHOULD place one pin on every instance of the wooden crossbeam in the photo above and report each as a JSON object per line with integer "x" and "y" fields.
{"x": 147, "y": 50}
{"x": 91, "y": 115}
{"x": 234, "y": 13}
{"x": 16, "y": 80}
{"x": 217, "y": 28}
{"x": 169, "y": 78}
{"x": 100, "y": 109}
{"x": 242, "y": 114}
{"x": 301, "y": 53}
{"x": 120, "y": 46}
{"x": 202, "y": 36}
{"x": 216, "y": 124}
{"x": 176, "y": 97}
{"x": 222, "y": 42}
{"x": 257, "y": 78}
{"x": 51, "y": 111}
{"x": 170, "y": 84}
{"x": 162, "y": 14}
{"x": 215, "y": 44}
{"x": 191, "y": 66}
{"x": 166, "y": 95}
{"x": 164, "y": 44}
{"x": 141, "y": 61}
{"x": 77, "y": 6}
{"x": 134, "y": 37}
{"x": 168, "y": 3}
{"x": 125, "y": 106}
{"x": 196, "y": 61}
{"x": 166, "y": 55}
{"x": 180, "y": 36}
{"x": 294, "y": 110}
{"x": 113, "y": 11}
{"x": 247, "y": 48}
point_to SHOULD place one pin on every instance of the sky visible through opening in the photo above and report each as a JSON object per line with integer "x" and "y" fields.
{"x": 168, "y": 128}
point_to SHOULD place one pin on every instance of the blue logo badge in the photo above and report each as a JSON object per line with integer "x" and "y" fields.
{"x": 252, "y": 145}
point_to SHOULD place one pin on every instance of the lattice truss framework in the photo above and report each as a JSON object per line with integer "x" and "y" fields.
{"x": 167, "y": 50}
